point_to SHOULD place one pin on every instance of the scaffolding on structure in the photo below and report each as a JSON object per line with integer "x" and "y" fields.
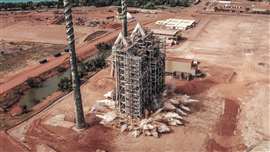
{"x": 139, "y": 68}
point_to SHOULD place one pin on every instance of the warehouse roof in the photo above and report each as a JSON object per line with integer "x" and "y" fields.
{"x": 165, "y": 31}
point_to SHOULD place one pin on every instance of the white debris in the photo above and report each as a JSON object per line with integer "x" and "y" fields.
{"x": 109, "y": 95}
{"x": 155, "y": 133}
{"x": 169, "y": 107}
{"x": 157, "y": 112}
{"x": 165, "y": 93}
{"x": 174, "y": 101}
{"x": 106, "y": 102}
{"x": 174, "y": 122}
{"x": 136, "y": 133}
{"x": 148, "y": 127}
{"x": 162, "y": 128}
{"x": 185, "y": 97}
{"x": 98, "y": 108}
{"x": 145, "y": 122}
{"x": 172, "y": 115}
{"x": 181, "y": 112}
{"x": 124, "y": 127}
{"x": 185, "y": 108}
{"x": 190, "y": 101}
{"x": 147, "y": 133}
{"x": 107, "y": 117}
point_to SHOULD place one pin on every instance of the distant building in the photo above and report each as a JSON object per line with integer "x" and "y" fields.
{"x": 171, "y": 36}
{"x": 178, "y": 24}
{"x": 182, "y": 68}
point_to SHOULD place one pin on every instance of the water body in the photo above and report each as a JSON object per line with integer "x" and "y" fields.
{"x": 35, "y": 95}
{"x": 49, "y": 86}
{"x": 24, "y": 1}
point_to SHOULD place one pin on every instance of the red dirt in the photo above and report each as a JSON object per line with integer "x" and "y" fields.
{"x": 62, "y": 139}
{"x": 228, "y": 121}
{"x": 83, "y": 52}
{"x": 8, "y": 145}
{"x": 213, "y": 146}
{"x": 193, "y": 87}
{"x": 227, "y": 139}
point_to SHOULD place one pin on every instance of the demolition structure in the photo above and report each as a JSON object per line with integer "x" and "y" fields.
{"x": 139, "y": 70}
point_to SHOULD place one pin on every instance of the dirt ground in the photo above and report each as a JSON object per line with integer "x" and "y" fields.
{"x": 233, "y": 115}
{"x": 17, "y": 55}
{"x": 48, "y": 27}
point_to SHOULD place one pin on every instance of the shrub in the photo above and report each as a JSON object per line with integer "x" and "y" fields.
{"x": 65, "y": 84}
{"x": 33, "y": 82}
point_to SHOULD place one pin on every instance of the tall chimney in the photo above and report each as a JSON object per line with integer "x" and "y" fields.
{"x": 79, "y": 114}
{"x": 124, "y": 18}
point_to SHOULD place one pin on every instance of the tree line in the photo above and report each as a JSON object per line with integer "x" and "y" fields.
{"x": 28, "y": 5}
{"x": 149, "y": 4}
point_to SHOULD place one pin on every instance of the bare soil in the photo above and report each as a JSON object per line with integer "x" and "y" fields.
{"x": 233, "y": 114}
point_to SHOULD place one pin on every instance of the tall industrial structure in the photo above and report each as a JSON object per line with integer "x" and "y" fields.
{"x": 139, "y": 70}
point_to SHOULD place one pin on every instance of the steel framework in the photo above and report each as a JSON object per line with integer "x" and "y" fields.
{"x": 139, "y": 67}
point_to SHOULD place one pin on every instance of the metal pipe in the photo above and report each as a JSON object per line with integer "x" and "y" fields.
{"x": 79, "y": 114}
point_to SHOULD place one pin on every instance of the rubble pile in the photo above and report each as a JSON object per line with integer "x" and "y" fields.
{"x": 172, "y": 114}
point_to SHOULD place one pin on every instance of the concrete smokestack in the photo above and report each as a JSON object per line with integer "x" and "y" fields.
{"x": 124, "y": 18}
{"x": 79, "y": 114}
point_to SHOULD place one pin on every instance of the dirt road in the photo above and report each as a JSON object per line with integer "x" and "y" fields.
{"x": 83, "y": 52}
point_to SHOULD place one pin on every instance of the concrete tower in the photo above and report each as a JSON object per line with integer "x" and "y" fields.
{"x": 124, "y": 18}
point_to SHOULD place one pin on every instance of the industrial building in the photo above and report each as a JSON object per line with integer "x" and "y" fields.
{"x": 139, "y": 69}
{"x": 170, "y": 35}
{"x": 180, "y": 24}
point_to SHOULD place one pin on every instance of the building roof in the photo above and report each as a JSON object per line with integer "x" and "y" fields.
{"x": 165, "y": 31}
{"x": 175, "y": 59}
{"x": 176, "y": 23}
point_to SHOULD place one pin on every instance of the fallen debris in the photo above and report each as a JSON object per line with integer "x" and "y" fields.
{"x": 109, "y": 95}
{"x": 168, "y": 106}
{"x": 159, "y": 122}
{"x": 107, "y": 117}
{"x": 136, "y": 133}
{"x": 163, "y": 128}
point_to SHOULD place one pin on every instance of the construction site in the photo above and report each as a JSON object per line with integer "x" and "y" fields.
{"x": 177, "y": 79}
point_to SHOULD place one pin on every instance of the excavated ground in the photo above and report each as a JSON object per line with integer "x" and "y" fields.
{"x": 233, "y": 114}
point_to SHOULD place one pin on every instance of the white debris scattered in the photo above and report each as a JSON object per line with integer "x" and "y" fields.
{"x": 190, "y": 101}
{"x": 168, "y": 106}
{"x": 98, "y": 108}
{"x": 185, "y": 108}
{"x": 162, "y": 128}
{"x": 124, "y": 127}
{"x": 174, "y": 122}
{"x": 174, "y": 101}
{"x": 107, "y": 117}
{"x": 147, "y": 133}
{"x": 181, "y": 112}
{"x": 145, "y": 122}
{"x": 109, "y": 95}
{"x": 171, "y": 114}
{"x": 155, "y": 133}
{"x": 136, "y": 133}
{"x": 106, "y": 102}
